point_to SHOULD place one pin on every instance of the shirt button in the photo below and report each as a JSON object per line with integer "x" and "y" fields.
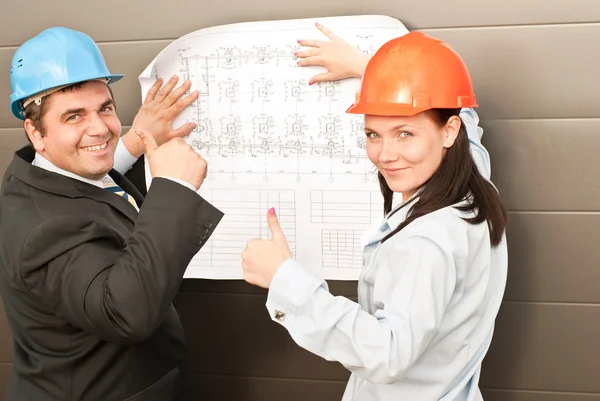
{"x": 279, "y": 315}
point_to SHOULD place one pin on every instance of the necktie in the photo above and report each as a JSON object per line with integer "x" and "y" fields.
{"x": 112, "y": 186}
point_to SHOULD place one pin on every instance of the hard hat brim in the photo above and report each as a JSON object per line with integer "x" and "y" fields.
{"x": 19, "y": 111}
{"x": 388, "y": 110}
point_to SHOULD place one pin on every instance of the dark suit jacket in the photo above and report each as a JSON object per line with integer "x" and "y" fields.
{"x": 88, "y": 284}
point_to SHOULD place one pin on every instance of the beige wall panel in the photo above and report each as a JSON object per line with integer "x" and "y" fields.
{"x": 115, "y": 20}
{"x": 549, "y": 347}
{"x": 533, "y": 71}
{"x": 545, "y": 164}
{"x": 10, "y": 140}
{"x": 523, "y": 77}
{"x": 553, "y": 257}
{"x": 516, "y": 395}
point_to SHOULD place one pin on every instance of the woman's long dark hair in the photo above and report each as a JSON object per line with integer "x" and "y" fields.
{"x": 456, "y": 179}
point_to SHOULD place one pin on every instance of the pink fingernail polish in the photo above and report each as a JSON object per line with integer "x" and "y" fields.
{"x": 271, "y": 211}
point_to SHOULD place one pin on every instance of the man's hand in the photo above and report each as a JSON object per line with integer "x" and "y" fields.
{"x": 174, "y": 159}
{"x": 262, "y": 257}
{"x": 156, "y": 116}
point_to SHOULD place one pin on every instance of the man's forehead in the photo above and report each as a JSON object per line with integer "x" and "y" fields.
{"x": 88, "y": 95}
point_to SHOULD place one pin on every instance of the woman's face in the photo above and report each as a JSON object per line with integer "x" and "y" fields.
{"x": 408, "y": 150}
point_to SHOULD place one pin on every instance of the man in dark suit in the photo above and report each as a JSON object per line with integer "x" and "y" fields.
{"x": 89, "y": 267}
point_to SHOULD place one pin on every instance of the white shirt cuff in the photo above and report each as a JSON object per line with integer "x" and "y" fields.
{"x": 123, "y": 159}
{"x": 185, "y": 184}
{"x": 291, "y": 286}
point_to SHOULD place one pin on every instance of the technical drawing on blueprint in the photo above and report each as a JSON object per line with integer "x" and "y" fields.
{"x": 271, "y": 140}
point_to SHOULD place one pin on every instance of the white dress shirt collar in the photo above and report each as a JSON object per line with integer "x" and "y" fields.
{"x": 42, "y": 162}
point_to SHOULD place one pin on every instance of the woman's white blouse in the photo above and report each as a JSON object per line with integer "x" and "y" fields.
{"x": 427, "y": 301}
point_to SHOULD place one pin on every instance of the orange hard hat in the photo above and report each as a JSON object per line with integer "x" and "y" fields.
{"x": 413, "y": 73}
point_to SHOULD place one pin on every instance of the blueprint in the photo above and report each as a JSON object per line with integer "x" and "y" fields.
{"x": 271, "y": 140}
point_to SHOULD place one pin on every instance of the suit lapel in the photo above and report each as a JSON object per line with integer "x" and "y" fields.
{"x": 55, "y": 183}
{"x": 102, "y": 195}
{"x": 127, "y": 186}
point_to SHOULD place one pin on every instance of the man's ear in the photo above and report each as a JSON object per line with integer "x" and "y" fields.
{"x": 451, "y": 130}
{"x": 34, "y": 134}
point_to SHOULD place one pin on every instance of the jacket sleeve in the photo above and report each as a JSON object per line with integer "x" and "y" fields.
{"x": 413, "y": 286}
{"x": 137, "y": 175}
{"x": 117, "y": 289}
{"x": 480, "y": 154}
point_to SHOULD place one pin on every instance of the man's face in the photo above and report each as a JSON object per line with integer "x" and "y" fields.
{"x": 81, "y": 130}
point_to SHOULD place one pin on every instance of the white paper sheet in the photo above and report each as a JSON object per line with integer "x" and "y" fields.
{"x": 271, "y": 140}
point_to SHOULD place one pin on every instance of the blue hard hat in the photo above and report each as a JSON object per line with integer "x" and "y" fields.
{"x": 56, "y": 57}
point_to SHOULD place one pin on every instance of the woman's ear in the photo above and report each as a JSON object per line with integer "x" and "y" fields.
{"x": 451, "y": 130}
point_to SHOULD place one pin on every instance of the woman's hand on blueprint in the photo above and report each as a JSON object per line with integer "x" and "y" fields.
{"x": 156, "y": 116}
{"x": 340, "y": 58}
{"x": 262, "y": 257}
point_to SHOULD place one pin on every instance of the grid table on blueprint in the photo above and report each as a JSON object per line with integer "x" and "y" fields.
{"x": 341, "y": 247}
{"x": 272, "y": 140}
{"x": 246, "y": 212}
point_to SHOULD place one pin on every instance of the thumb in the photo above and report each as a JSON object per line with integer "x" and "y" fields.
{"x": 147, "y": 140}
{"x": 276, "y": 231}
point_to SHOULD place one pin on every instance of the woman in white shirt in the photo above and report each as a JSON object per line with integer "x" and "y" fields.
{"x": 434, "y": 269}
